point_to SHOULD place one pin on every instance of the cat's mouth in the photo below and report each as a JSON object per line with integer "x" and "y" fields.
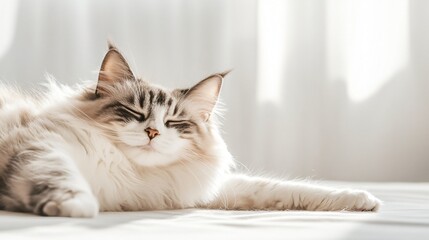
{"x": 148, "y": 147}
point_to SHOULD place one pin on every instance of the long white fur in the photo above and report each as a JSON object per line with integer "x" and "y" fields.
{"x": 110, "y": 181}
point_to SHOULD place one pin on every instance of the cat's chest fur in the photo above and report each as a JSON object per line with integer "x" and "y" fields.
{"x": 119, "y": 185}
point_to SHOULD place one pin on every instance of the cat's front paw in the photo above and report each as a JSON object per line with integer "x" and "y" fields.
{"x": 81, "y": 205}
{"x": 354, "y": 200}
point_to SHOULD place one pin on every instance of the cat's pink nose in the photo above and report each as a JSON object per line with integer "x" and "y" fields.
{"x": 151, "y": 133}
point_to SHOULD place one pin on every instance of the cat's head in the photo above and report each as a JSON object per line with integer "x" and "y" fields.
{"x": 154, "y": 126}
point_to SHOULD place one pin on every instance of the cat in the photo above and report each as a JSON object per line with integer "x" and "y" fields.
{"x": 125, "y": 144}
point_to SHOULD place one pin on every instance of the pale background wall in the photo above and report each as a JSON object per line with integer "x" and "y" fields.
{"x": 329, "y": 89}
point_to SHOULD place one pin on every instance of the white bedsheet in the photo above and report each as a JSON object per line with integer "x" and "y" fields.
{"x": 404, "y": 215}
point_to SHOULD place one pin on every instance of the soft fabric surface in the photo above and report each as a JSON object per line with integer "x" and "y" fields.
{"x": 404, "y": 215}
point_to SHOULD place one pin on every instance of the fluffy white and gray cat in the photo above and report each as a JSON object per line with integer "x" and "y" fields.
{"x": 128, "y": 145}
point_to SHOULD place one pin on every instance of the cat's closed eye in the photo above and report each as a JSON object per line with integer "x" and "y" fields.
{"x": 179, "y": 124}
{"x": 129, "y": 114}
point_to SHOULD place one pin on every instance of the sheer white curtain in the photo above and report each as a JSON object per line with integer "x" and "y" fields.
{"x": 347, "y": 94}
{"x": 330, "y": 89}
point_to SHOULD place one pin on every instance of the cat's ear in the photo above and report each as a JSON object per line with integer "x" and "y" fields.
{"x": 113, "y": 69}
{"x": 202, "y": 98}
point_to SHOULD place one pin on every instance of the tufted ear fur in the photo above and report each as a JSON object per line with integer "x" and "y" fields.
{"x": 202, "y": 97}
{"x": 113, "y": 69}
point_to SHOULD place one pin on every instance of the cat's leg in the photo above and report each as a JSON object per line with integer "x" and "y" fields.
{"x": 46, "y": 183}
{"x": 251, "y": 193}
